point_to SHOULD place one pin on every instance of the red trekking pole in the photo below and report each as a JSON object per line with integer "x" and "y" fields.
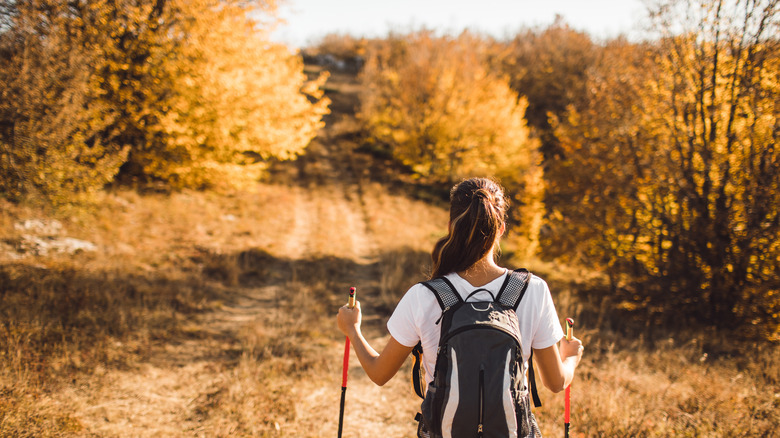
{"x": 567, "y": 400}
{"x": 350, "y": 304}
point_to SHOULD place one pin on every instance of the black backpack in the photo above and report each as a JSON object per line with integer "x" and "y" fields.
{"x": 478, "y": 388}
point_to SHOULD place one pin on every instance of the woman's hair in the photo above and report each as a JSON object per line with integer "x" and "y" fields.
{"x": 477, "y": 213}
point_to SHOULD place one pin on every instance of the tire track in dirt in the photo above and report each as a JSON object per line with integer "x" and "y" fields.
{"x": 296, "y": 241}
{"x": 344, "y": 220}
{"x": 341, "y": 225}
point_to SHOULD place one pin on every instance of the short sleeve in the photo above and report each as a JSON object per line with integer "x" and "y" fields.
{"x": 548, "y": 330}
{"x": 402, "y": 323}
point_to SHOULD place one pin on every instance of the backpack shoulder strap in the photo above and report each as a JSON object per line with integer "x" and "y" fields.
{"x": 446, "y": 296}
{"x": 532, "y": 381}
{"x": 444, "y": 291}
{"x": 514, "y": 287}
{"x": 511, "y": 293}
{"x": 418, "y": 371}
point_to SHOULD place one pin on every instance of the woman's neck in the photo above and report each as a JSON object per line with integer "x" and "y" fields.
{"x": 483, "y": 271}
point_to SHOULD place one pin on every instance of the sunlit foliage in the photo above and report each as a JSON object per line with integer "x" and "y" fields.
{"x": 672, "y": 175}
{"x": 235, "y": 101}
{"x": 549, "y": 67}
{"x": 435, "y": 104}
{"x": 51, "y": 117}
{"x": 189, "y": 92}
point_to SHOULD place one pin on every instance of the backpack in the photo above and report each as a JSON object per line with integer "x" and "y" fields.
{"x": 478, "y": 387}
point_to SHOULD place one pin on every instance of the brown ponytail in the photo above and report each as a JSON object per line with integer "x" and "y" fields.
{"x": 477, "y": 213}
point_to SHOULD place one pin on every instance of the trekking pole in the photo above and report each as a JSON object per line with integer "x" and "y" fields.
{"x": 345, "y": 368}
{"x": 567, "y": 400}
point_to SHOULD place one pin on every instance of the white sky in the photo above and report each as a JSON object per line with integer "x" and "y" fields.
{"x": 309, "y": 20}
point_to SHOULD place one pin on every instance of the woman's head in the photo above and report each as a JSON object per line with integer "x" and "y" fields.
{"x": 477, "y": 219}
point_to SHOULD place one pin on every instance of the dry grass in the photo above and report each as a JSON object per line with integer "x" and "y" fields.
{"x": 673, "y": 389}
{"x": 204, "y": 310}
{"x": 189, "y": 322}
{"x": 643, "y": 381}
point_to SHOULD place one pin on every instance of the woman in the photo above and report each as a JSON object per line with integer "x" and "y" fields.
{"x": 466, "y": 257}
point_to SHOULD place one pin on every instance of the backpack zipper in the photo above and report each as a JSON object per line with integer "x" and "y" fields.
{"x": 442, "y": 315}
{"x": 481, "y": 400}
{"x": 437, "y": 404}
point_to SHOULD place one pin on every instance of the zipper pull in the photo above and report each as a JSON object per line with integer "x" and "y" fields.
{"x": 442, "y": 315}
{"x": 479, "y": 430}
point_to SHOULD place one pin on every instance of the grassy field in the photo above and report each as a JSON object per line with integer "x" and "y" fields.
{"x": 213, "y": 314}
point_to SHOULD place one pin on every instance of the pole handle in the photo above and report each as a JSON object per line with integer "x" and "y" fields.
{"x": 351, "y": 302}
{"x": 569, "y": 328}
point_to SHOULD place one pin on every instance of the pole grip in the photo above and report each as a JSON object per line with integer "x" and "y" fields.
{"x": 569, "y": 328}
{"x": 351, "y": 302}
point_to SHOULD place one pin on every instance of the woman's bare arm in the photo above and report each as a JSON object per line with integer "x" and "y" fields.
{"x": 380, "y": 367}
{"x": 556, "y": 364}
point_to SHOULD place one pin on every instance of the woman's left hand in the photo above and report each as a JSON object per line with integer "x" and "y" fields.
{"x": 349, "y": 319}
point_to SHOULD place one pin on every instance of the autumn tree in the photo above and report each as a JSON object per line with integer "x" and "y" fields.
{"x": 50, "y": 117}
{"x": 434, "y": 103}
{"x": 236, "y": 99}
{"x": 673, "y": 167}
{"x": 190, "y": 92}
{"x": 549, "y": 67}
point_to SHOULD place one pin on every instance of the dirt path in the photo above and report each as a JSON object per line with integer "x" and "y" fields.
{"x": 175, "y": 387}
{"x": 168, "y": 392}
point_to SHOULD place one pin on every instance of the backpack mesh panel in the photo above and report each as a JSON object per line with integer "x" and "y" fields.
{"x": 446, "y": 294}
{"x": 513, "y": 288}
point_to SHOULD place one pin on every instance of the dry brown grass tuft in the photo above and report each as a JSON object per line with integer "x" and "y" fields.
{"x": 58, "y": 319}
{"x": 22, "y": 416}
{"x": 669, "y": 390}
{"x": 646, "y": 381}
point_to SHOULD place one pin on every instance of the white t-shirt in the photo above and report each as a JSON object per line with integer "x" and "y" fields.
{"x": 414, "y": 319}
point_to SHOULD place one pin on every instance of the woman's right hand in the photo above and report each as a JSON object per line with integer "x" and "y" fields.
{"x": 349, "y": 319}
{"x": 571, "y": 350}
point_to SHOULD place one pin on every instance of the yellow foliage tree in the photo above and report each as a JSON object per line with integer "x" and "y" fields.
{"x": 50, "y": 118}
{"x": 191, "y": 92}
{"x": 549, "y": 67}
{"x": 438, "y": 108}
{"x": 672, "y": 173}
{"x": 236, "y": 99}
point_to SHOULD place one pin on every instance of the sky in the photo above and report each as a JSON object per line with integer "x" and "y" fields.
{"x": 309, "y": 20}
